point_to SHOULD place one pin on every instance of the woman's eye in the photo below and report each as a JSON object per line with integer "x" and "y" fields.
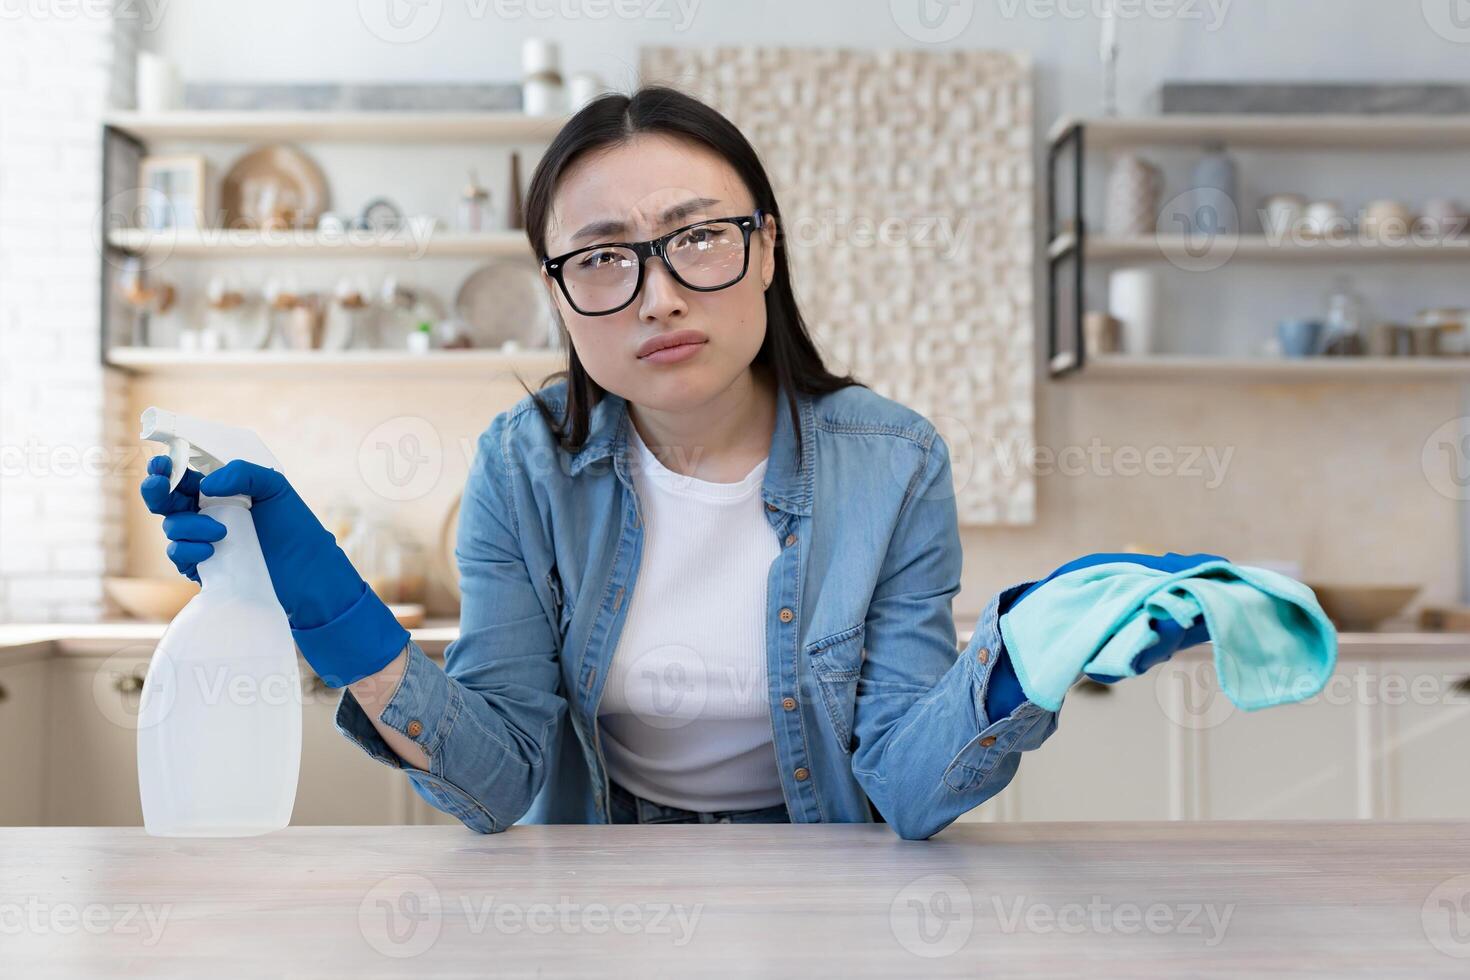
{"x": 592, "y": 260}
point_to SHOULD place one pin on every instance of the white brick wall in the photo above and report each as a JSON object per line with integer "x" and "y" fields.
{"x": 61, "y": 526}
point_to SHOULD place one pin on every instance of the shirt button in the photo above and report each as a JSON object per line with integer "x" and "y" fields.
{"x": 801, "y": 774}
{"x": 770, "y": 506}
{"x": 988, "y": 741}
{"x": 790, "y": 540}
{"x": 415, "y": 728}
{"x": 982, "y": 655}
{"x": 786, "y": 614}
{"x": 789, "y": 704}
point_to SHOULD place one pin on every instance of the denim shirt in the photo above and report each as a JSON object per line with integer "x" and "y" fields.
{"x": 876, "y": 714}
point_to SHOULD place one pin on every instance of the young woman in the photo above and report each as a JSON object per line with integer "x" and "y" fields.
{"x": 704, "y": 579}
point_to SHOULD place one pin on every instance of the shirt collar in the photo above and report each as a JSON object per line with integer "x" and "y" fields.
{"x": 788, "y": 482}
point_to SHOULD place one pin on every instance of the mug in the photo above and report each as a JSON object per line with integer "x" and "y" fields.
{"x": 1442, "y": 218}
{"x": 1387, "y": 220}
{"x": 1387, "y": 340}
{"x": 1299, "y": 338}
{"x": 1281, "y": 212}
{"x": 1101, "y": 333}
{"x": 1323, "y": 219}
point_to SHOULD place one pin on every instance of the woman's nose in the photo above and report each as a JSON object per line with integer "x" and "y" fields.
{"x": 662, "y": 295}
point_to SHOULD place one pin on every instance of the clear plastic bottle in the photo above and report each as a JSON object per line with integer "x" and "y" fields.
{"x": 219, "y": 725}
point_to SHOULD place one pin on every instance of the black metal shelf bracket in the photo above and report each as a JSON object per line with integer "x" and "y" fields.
{"x": 1063, "y": 361}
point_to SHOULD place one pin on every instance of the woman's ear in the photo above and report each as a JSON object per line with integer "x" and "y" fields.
{"x": 553, "y": 292}
{"x": 768, "y": 251}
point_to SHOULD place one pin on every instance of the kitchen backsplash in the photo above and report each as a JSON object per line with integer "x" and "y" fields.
{"x": 1306, "y": 473}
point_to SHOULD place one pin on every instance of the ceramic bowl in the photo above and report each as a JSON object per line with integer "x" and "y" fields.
{"x": 152, "y": 599}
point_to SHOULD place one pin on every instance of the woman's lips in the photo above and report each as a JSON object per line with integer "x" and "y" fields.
{"x": 672, "y": 355}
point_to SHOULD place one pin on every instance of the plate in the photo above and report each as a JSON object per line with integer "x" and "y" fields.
{"x": 269, "y": 184}
{"x": 504, "y": 301}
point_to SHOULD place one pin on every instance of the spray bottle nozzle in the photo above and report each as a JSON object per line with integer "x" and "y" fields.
{"x": 208, "y": 445}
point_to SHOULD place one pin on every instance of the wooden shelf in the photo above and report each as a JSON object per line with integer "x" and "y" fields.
{"x": 298, "y": 243}
{"x": 1283, "y": 132}
{"x": 1259, "y": 248}
{"x": 1170, "y": 367}
{"x": 321, "y": 365}
{"x": 349, "y": 127}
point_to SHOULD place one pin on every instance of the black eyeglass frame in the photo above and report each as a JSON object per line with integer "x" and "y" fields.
{"x": 555, "y": 265}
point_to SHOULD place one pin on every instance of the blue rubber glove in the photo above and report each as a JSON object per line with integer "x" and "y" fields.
{"x": 342, "y": 628}
{"x": 1004, "y": 692}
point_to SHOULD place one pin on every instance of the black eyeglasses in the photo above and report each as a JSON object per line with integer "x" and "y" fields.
{"x": 706, "y": 255}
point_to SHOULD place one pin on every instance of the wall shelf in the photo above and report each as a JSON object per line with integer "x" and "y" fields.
{"x": 1070, "y": 246}
{"x": 126, "y": 139}
{"x": 1282, "y": 132}
{"x": 236, "y": 243}
{"x": 1166, "y": 367}
{"x": 1259, "y": 248}
{"x": 348, "y": 365}
{"x": 346, "y": 127}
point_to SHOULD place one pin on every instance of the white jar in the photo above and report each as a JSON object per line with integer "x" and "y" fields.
{"x": 1133, "y": 298}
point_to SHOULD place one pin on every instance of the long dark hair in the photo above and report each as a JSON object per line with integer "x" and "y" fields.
{"x": 614, "y": 119}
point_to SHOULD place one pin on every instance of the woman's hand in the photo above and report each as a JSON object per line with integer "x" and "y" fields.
{"x": 1172, "y": 636}
{"x": 312, "y": 577}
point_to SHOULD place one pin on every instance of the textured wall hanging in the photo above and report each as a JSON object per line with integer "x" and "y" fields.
{"x": 905, "y": 178}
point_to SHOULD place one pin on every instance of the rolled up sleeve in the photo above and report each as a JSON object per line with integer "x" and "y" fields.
{"x": 925, "y": 750}
{"x": 489, "y": 719}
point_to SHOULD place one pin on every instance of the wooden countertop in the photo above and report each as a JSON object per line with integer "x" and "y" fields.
{"x": 993, "y": 900}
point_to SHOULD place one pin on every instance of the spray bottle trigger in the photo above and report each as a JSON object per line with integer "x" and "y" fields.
{"x": 179, "y": 453}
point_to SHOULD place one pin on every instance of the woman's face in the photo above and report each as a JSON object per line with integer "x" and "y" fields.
{"x": 635, "y": 192}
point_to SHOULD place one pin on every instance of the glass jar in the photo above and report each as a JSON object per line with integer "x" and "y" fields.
{"x": 1453, "y": 339}
{"x": 1346, "y": 319}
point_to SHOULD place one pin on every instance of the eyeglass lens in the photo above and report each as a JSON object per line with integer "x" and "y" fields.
{"x": 707, "y": 256}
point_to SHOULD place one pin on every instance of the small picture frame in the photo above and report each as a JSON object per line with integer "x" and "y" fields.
{"x": 172, "y": 191}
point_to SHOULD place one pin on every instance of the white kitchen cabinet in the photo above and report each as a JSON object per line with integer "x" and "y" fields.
{"x": 22, "y": 720}
{"x": 1289, "y": 762}
{"x": 341, "y": 784}
{"x": 91, "y": 749}
{"x": 1107, "y": 760}
{"x": 92, "y": 763}
{"x": 1171, "y": 745}
{"x": 1421, "y": 744}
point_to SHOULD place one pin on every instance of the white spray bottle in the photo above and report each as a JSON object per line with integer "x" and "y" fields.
{"x": 219, "y": 724}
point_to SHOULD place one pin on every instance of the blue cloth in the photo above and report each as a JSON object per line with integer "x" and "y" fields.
{"x": 873, "y": 704}
{"x": 1005, "y": 693}
{"x": 1272, "y": 641}
{"x": 342, "y": 628}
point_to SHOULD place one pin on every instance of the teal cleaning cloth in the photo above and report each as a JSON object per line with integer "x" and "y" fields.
{"x": 1273, "y": 643}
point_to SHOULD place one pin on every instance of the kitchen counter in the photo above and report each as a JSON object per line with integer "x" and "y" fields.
{"x": 93, "y": 639}
{"x": 1223, "y": 899}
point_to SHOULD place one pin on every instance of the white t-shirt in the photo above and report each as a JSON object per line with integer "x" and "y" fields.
{"x": 685, "y": 712}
